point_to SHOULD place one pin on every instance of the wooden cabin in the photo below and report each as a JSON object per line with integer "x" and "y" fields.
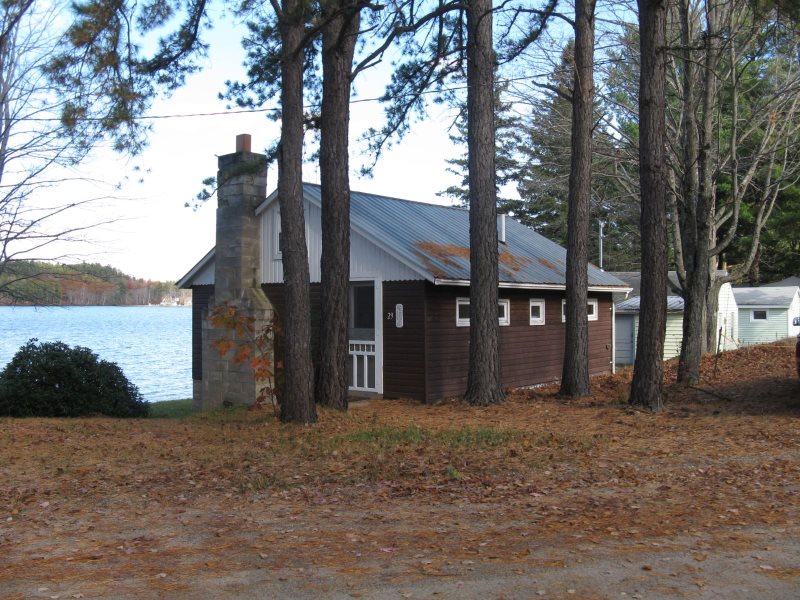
{"x": 409, "y": 296}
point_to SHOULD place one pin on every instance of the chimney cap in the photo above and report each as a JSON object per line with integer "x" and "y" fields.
{"x": 243, "y": 143}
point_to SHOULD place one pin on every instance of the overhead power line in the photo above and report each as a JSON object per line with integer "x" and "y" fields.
{"x": 222, "y": 113}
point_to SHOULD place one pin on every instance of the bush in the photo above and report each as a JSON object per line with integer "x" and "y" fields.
{"x": 52, "y": 379}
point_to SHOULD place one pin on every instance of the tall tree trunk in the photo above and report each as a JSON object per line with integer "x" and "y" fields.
{"x": 297, "y": 402}
{"x": 712, "y": 307}
{"x": 483, "y": 382}
{"x": 648, "y": 371}
{"x": 689, "y": 185}
{"x": 695, "y": 212}
{"x": 338, "y": 45}
{"x": 575, "y": 375}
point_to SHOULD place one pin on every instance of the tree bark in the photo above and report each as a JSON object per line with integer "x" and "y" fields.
{"x": 575, "y": 374}
{"x": 712, "y": 307}
{"x": 648, "y": 370}
{"x": 483, "y": 382}
{"x": 338, "y": 45}
{"x": 297, "y": 403}
{"x": 695, "y": 212}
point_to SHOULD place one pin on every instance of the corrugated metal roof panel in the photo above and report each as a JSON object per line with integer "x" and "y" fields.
{"x": 794, "y": 280}
{"x": 435, "y": 239}
{"x": 765, "y": 296}
{"x": 633, "y": 305}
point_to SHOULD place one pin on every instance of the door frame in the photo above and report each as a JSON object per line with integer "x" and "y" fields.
{"x": 377, "y": 286}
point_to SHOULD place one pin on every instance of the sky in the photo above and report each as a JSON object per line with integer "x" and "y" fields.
{"x": 154, "y": 236}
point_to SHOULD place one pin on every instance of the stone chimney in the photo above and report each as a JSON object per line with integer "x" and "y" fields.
{"x": 241, "y": 187}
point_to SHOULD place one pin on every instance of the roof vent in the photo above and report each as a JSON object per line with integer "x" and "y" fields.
{"x": 502, "y": 233}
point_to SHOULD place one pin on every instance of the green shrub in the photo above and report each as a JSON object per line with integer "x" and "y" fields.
{"x": 52, "y": 379}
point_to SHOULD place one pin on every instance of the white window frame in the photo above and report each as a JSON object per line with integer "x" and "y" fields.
{"x": 502, "y": 321}
{"x": 459, "y": 321}
{"x": 753, "y": 315}
{"x": 505, "y": 320}
{"x": 536, "y": 302}
{"x": 590, "y": 317}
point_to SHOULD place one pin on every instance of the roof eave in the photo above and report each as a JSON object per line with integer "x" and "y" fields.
{"x": 513, "y": 285}
{"x": 266, "y": 202}
{"x": 185, "y": 282}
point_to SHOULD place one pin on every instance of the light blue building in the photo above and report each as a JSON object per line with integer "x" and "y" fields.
{"x": 766, "y": 313}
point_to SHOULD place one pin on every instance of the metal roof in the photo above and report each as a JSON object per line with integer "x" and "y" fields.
{"x": 634, "y": 280}
{"x": 633, "y": 305}
{"x": 789, "y": 281}
{"x": 765, "y": 296}
{"x": 435, "y": 240}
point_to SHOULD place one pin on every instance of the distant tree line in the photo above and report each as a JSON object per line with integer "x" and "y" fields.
{"x": 33, "y": 283}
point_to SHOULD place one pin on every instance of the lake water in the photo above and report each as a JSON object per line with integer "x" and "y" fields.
{"x": 151, "y": 344}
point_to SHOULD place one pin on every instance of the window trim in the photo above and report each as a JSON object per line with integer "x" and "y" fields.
{"x": 459, "y": 321}
{"x": 753, "y": 312}
{"x": 540, "y": 303}
{"x": 506, "y": 304}
{"x": 589, "y": 302}
{"x": 502, "y": 321}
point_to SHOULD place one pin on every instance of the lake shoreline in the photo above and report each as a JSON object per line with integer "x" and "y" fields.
{"x": 152, "y": 347}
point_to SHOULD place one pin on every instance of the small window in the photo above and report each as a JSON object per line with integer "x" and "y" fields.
{"x": 462, "y": 312}
{"x": 537, "y": 312}
{"x": 758, "y": 315}
{"x": 277, "y": 236}
{"x": 504, "y": 312}
{"x": 591, "y": 310}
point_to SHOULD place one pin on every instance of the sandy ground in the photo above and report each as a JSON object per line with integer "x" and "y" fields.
{"x": 225, "y": 555}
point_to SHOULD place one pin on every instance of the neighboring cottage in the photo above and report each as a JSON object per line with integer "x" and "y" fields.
{"x": 626, "y": 320}
{"x": 409, "y": 293}
{"x": 766, "y": 313}
{"x": 791, "y": 281}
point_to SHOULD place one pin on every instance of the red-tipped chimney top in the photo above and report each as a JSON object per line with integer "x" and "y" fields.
{"x": 243, "y": 142}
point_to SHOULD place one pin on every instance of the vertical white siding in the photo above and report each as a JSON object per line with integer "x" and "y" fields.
{"x": 366, "y": 259}
{"x": 271, "y": 266}
{"x": 673, "y": 337}
{"x": 728, "y": 318}
{"x": 205, "y": 276}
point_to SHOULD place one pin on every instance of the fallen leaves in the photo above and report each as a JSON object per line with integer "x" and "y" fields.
{"x": 393, "y": 479}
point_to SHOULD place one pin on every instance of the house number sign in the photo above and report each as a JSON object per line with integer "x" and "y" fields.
{"x": 398, "y": 315}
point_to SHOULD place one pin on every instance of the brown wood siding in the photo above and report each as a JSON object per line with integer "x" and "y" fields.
{"x": 601, "y": 335}
{"x": 529, "y": 354}
{"x": 447, "y": 346}
{"x": 275, "y": 294}
{"x": 404, "y": 348}
{"x": 201, "y": 294}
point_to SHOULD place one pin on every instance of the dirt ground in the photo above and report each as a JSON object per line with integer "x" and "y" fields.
{"x": 535, "y": 498}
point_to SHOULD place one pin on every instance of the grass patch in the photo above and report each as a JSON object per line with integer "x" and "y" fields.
{"x": 171, "y": 409}
{"x": 464, "y": 437}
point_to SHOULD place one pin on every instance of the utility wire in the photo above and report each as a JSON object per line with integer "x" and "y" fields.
{"x": 274, "y": 110}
